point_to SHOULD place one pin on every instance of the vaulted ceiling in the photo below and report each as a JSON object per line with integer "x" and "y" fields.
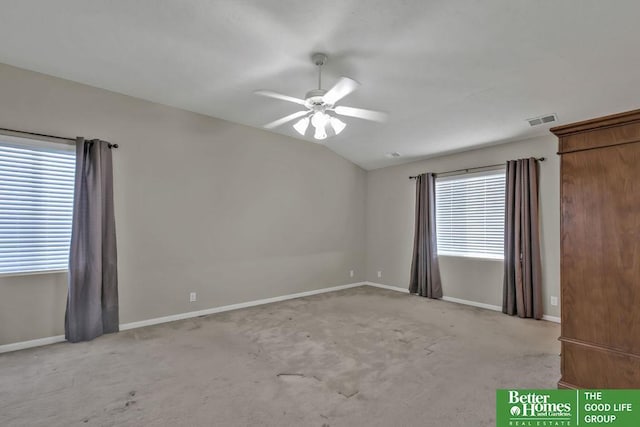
{"x": 451, "y": 74}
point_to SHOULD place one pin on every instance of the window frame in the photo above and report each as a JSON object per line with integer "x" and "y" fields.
{"x": 489, "y": 171}
{"x": 9, "y": 140}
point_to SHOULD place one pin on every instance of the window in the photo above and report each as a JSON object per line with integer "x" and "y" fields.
{"x": 36, "y": 202}
{"x": 470, "y": 214}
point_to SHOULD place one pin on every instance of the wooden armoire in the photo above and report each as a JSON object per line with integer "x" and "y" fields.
{"x": 600, "y": 252}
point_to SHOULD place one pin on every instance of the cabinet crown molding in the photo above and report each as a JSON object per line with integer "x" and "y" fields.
{"x": 599, "y": 123}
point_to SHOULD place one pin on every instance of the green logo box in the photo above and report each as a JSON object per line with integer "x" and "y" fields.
{"x": 546, "y": 408}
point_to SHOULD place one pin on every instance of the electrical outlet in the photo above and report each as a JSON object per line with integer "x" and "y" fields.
{"x": 379, "y": 274}
{"x": 554, "y": 300}
{"x": 350, "y": 273}
{"x": 192, "y": 297}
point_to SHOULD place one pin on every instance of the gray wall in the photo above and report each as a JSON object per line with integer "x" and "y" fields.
{"x": 390, "y": 214}
{"x": 230, "y": 212}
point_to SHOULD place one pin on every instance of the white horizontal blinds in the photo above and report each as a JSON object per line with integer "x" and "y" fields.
{"x": 36, "y": 202}
{"x": 470, "y": 214}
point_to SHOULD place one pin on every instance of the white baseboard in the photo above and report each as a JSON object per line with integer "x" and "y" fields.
{"x": 473, "y": 303}
{"x": 190, "y": 314}
{"x": 459, "y": 301}
{"x": 444, "y": 298}
{"x": 555, "y": 319}
{"x": 21, "y": 345}
{"x": 391, "y": 288}
{"x": 5, "y": 348}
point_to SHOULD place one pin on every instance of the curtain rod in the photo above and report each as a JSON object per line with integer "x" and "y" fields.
{"x": 541, "y": 159}
{"x": 64, "y": 138}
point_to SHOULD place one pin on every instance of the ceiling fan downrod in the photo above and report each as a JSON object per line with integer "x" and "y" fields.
{"x": 319, "y": 59}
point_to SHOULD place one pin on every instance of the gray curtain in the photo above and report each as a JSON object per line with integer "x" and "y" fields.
{"x": 522, "y": 285}
{"x": 92, "y": 301}
{"x": 425, "y": 271}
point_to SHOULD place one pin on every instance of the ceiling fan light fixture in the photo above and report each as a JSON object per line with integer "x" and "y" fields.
{"x": 302, "y": 125}
{"x": 320, "y": 133}
{"x": 337, "y": 124}
{"x": 319, "y": 119}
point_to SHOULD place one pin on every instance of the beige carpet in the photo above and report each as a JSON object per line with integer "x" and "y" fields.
{"x": 359, "y": 357}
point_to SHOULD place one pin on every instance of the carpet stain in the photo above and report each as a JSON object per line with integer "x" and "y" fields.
{"x": 348, "y": 394}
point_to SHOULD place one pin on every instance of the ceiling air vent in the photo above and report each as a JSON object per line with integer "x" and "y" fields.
{"x": 549, "y": 118}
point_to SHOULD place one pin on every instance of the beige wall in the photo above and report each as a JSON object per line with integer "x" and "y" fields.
{"x": 390, "y": 215}
{"x": 238, "y": 214}
{"x": 230, "y": 212}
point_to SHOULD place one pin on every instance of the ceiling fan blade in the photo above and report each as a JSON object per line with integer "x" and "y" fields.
{"x": 286, "y": 119}
{"x": 361, "y": 113}
{"x": 341, "y": 89}
{"x": 276, "y": 95}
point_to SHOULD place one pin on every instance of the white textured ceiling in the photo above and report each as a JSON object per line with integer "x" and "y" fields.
{"x": 451, "y": 74}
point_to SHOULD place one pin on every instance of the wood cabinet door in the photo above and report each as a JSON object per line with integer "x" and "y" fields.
{"x": 601, "y": 267}
{"x": 601, "y": 248}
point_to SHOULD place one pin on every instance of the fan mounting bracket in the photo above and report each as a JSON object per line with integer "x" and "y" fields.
{"x": 319, "y": 59}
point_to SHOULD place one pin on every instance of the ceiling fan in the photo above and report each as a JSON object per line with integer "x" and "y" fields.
{"x": 321, "y": 109}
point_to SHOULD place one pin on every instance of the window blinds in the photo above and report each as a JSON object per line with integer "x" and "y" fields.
{"x": 36, "y": 202}
{"x": 470, "y": 214}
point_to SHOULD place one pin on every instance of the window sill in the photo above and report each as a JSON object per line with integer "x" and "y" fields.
{"x": 31, "y": 273}
{"x": 478, "y": 257}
